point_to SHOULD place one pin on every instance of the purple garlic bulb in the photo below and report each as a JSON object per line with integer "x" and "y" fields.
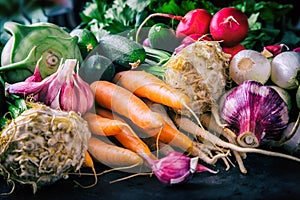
{"x": 176, "y": 168}
{"x": 255, "y": 112}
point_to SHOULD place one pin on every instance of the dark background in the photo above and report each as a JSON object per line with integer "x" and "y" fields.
{"x": 267, "y": 177}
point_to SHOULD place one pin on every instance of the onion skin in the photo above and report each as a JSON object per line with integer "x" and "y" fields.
{"x": 286, "y": 69}
{"x": 298, "y": 97}
{"x": 249, "y": 65}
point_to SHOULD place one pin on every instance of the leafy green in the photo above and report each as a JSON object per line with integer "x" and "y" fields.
{"x": 268, "y": 20}
{"x": 111, "y": 17}
{"x": 268, "y": 23}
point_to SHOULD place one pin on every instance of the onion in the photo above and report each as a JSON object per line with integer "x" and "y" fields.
{"x": 293, "y": 143}
{"x": 285, "y": 69}
{"x": 249, "y": 65}
{"x": 298, "y": 97}
{"x": 286, "y": 97}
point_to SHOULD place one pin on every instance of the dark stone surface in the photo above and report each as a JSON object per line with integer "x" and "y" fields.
{"x": 267, "y": 178}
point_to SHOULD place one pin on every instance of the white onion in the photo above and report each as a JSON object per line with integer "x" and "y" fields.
{"x": 286, "y": 97}
{"x": 249, "y": 65}
{"x": 298, "y": 97}
{"x": 284, "y": 69}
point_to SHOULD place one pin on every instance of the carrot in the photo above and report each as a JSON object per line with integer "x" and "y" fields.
{"x": 167, "y": 135}
{"x": 144, "y": 84}
{"x": 122, "y": 101}
{"x": 149, "y": 86}
{"x": 103, "y": 126}
{"x": 88, "y": 162}
{"x": 112, "y": 155}
{"x": 120, "y": 130}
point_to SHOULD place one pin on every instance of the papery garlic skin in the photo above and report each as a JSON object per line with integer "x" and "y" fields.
{"x": 175, "y": 168}
{"x": 64, "y": 90}
{"x": 255, "y": 112}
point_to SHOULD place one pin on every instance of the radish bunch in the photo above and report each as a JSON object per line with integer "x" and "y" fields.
{"x": 229, "y": 26}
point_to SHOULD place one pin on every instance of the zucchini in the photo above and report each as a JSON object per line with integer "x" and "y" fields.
{"x": 121, "y": 50}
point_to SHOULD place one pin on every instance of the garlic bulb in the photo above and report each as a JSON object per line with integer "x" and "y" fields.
{"x": 63, "y": 90}
{"x": 255, "y": 112}
{"x": 175, "y": 168}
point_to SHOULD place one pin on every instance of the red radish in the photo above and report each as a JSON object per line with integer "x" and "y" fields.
{"x": 190, "y": 39}
{"x": 274, "y": 50}
{"x": 194, "y": 37}
{"x": 233, "y": 50}
{"x": 146, "y": 42}
{"x": 230, "y": 26}
{"x": 297, "y": 49}
{"x": 195, "y": 21}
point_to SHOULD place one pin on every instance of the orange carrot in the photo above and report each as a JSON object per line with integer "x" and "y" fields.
{"x": 168, "y": 134}
{"x": 112, "y": 155}
{"x": 88, "y": 161}
{"x": 104, "y": 126}
{"x": 122, "y": 101}
{"x": 149, "y": 86}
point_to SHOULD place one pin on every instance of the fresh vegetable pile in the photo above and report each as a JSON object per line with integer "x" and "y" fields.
{"x": 168, "y": 92}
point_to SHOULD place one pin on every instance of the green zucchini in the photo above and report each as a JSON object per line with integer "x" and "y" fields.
{"x": 122, "y": 51}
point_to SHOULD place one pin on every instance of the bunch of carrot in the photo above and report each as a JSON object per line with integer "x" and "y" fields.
{"x": 125, "y": 111}
{"x": 135, "y": 107}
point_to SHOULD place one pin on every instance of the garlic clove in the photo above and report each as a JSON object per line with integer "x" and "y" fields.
{"x": 68, "y": 99}
{"x": 86, "y": 90}
{"x": 175, "y": 168}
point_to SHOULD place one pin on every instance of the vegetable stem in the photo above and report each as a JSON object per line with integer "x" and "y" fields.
{"x": 154, "y": 15}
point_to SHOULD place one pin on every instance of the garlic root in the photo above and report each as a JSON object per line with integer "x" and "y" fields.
{"x": 189, "y": 126}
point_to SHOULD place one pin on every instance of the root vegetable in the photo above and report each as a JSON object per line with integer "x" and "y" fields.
{"x": 199, "y": 71}
{"x": 43, "y": 145}
{"x": 229, "y": 25}
{"x": 196, "y": 21}
{"x": 120, "y": 130}
{"x": 146, "y": 85}
{"x": 122, "y": 101}
{"x": 189, "y": 126}
{"x": 112, "y": 155}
